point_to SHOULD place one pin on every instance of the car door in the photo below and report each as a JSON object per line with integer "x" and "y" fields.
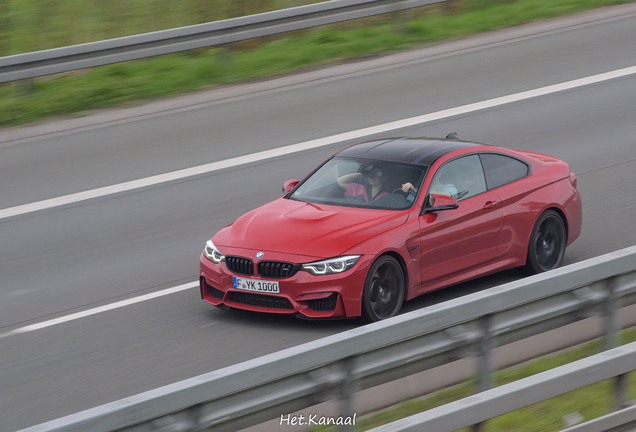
{"x": 453, "y": 241}
{"x": 504, "y": 176}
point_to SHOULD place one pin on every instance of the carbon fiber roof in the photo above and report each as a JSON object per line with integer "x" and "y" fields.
{"x": 420, "y": 151}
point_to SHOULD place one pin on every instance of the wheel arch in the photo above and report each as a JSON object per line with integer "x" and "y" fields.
{"x": 532, "y": 266}
{"x": 561, "y": 214}
{"x": 402, "y": 263}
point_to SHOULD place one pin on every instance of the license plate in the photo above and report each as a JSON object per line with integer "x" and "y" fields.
{"x": 256, "y": 285}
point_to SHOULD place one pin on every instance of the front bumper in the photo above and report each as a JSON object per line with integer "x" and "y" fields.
{"x": 325, "y": 296}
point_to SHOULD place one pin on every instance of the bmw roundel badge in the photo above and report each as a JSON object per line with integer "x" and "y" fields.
{"x": 260, "y": 255}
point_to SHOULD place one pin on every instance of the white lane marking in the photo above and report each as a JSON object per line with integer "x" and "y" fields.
{"x": 100, "y": 309}
{"x": 209, "y": 324}
{"x": 308, "y": 145}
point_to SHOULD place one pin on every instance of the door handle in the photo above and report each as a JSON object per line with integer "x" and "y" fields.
{"x": 490, "y": 205}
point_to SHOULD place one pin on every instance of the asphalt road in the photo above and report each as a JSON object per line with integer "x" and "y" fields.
{"x": 65, "y": 260}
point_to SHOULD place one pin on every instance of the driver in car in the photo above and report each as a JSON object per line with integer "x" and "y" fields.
{"x": 374, "y": 187}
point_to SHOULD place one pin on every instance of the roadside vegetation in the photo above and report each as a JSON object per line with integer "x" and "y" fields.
{"x": 29, "y": 25}
{"x": 585, "y": 404}
{"x": 33, "y": 25}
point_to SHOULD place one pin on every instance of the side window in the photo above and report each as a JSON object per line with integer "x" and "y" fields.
{"x": 501, "y": 170}
{"x": 460, "y": 178}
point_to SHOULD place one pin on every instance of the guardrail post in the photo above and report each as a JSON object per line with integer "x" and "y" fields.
{"x": 611, "y": 339}
{"x": 453, "y": 6}
{"x": 27, "y": 87}
{"x": 5, "y": 28}
{"x": 485, "y": 362}
{"x": 611, "y": 321}
{"x": 347, "y": 389}
{"x": 620, "y": 388}
{"x": 226, "y": 54}
{"x": 400, "y": 17}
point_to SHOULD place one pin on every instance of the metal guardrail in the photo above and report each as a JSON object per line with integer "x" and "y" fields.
{"x": 527, "y": 391}
{"x": 40, "y": 63}
{"x": 340, "y": 365}
{"x": 618, "y": 421}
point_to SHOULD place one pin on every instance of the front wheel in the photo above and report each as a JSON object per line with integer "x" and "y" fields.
{"x": 547, "y": 244}
{"x": 383, "y": 293}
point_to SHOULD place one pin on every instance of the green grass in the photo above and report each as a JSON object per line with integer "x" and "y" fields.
{"x": 547, "y": 416}
{"x": 109, "y": 86}
{"x": 33, "y": 25}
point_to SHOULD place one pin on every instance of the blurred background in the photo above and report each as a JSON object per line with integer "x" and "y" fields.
{"x": 84, "y": 130}
{"x": 33, "y": 25}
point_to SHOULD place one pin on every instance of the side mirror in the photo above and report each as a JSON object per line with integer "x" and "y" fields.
{"x": 435, "y": 202}
{"x": 289, "y": 185}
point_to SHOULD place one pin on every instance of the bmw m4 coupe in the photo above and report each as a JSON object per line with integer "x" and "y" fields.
{"x": 386, "y": 220}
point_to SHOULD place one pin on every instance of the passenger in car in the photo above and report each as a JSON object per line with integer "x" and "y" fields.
{"x": 438, "y": 188}
{"x": 445, "y": 189}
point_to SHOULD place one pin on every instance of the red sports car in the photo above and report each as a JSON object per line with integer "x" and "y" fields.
{"x": 386, "y": 220}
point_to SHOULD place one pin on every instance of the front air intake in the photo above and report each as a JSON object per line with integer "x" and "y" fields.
{"x": 260, "y": 300}
{"x": 323, "y": 305}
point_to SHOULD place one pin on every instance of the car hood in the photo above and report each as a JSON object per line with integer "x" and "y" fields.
{"x": 312, "y": 230}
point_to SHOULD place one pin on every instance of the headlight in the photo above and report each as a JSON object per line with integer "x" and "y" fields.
{"x": 331, "y": 266}
{"x": 212, "y": 253}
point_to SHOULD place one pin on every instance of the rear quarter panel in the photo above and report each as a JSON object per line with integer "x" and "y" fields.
{"x": 524, "y": 200}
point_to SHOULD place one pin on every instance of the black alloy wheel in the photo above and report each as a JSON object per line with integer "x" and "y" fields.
{"x": 547, "y": 243}
{"x": 383, "y": 290}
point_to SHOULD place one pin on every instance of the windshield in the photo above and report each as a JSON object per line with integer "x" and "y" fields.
{"x": 369, "y": 183}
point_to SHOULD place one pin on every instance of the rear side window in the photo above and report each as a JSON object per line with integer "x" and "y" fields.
{"x": 501, "y": 170}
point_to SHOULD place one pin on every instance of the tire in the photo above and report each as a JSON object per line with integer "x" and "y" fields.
{"x": 384, "y": 288}
{"x": 547, "y": 244}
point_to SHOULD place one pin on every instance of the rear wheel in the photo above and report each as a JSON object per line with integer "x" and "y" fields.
{"x": 383, "y": 293}
{"x": 547, "y": 244}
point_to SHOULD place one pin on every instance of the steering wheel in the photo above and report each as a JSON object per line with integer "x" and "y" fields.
{"x": 399, "y": 190}
{"x": 409, "y": 196}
